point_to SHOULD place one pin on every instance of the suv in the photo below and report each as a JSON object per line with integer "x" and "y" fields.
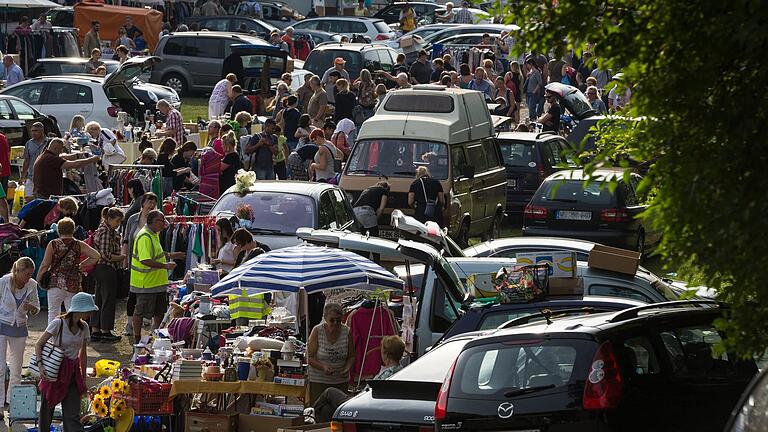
{"x": 358, "y": 57}
{"x": 193, "y": 60}
{"x": 529, "y": 158}
{"x": 653, "y": 367}
{"x": 373, "y": 28}
{"x": 233, "y": 24}
{"x": 563, "y": 206}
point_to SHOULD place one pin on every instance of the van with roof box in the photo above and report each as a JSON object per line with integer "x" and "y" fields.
{"x": 449, "y": 131}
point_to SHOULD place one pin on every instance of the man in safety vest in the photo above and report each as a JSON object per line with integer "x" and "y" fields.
{"x": 149, "y": 273}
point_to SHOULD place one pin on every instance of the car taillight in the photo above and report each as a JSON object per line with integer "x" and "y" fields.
{"x": 343, "y": 427}
{"x": 382, "y": 36}
{"x": 112, "y": 111}
{"x": 603, "y": 387}
{"x": 535, "y": 212}
{"x": 614, "y": 215}
{"x": 441, "y": 407}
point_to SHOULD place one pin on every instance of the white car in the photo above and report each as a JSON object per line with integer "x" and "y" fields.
{"x": 95, "y": 98}
{"x": 374, "y": 28}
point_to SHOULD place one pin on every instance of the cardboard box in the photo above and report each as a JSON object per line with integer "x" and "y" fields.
{"x": 320, "y": 427}
{"x": 263, "y": 423}
{"x": 203, "y": 422}
{"x": 561, "y": 264}
{"x": 566, "y": 286}
{"x": 614, "y": 259}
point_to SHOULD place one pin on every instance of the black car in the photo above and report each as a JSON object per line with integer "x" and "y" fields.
{"x": 231, "y": 23}
{"x": 17, "y": 117}
{"x": 563, "y": 206}
{"x": 406, "y": 400}
{"x": 358, "y": 57}
{"x": 751, "y": 413}
{"x": 649, "y": 368}
{"x": 391, "y": 13}
{"x": 490, "y": 315}
{"x": 529, "y": 158}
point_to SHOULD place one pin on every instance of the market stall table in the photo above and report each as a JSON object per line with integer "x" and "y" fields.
{"x": 131, "y": 149}
{"x": 238, "y": 387}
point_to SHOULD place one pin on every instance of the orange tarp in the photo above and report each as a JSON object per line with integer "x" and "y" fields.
{"x": 111, "y": 18}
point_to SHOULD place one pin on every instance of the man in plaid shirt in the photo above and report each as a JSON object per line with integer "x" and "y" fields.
{"x": 463, "y": 15}
{"x": 174, "y": 125}
{"x": 106, "y": 240}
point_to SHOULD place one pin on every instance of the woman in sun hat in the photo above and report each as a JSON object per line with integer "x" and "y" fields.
{"x": 70, "y": 332}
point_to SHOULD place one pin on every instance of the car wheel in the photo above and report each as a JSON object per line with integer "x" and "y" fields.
{"x": 640, "y": 244}
{"x": 463, "y": 236}
{"x": 176, "y": 82}
{"x": 494, "y": 231}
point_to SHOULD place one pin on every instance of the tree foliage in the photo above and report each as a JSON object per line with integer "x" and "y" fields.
{"x": 701, "y": 82}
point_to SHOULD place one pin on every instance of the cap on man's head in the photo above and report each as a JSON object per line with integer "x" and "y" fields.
{"x": 38, "y": 125}
{"x": 422, "y": 53}
{"x": 339, "y": 61}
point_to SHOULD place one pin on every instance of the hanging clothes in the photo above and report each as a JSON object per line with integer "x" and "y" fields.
{"x": 380, "y": 322}
{"x": 210, "y": 169}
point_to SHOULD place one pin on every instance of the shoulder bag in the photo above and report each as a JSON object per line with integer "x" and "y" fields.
{"x": 430, "y": 205}
{"x": 52, "y": 354}
{"x": 45, "y": 281}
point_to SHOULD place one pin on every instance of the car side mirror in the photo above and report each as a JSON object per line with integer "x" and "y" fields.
{"x": 468, "y": 171}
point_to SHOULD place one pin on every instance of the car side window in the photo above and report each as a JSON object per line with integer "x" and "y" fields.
{"x": 254, "y": 26}
{"x": 634, "y": 182}
{"x": 618, "y": 291}
{"x": 458, "y": 160}
{"x": 326, "y": 216}
{"x": 5, "y": 111}
{"x": 326, "y": 26}
{"x": 308, "y": 25}
{"x": 357, "y": 27}
{"x": 445, "y": 309}
{"x": 692, "y": 353}
{"x": 340, "y": 207}
{"x": 210, "y": 48}
{"x": 387, "y": 63}
{"x": 216, "y": 24}
{"x": 629, "y": 194}
{"x": 640, "y": 356}
{"x": 175, "y": 46}
{"x": 23, "y": 111}
{"x": 553, "y": 152}
{"x": 29, "y": 93}
{"x": 371, "y": 60}
{"x": 491, "y": 153}
{"x": 477, "y": 157}
{"x": 61, "y": 94}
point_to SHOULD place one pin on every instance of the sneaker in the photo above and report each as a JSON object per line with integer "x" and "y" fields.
{"x": 109, "y": 337}
{"x": 128, "y": 328}
{"x": 96, "y": 337}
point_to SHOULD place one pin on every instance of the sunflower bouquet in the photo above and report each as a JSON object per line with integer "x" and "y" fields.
{"x": 107, "y": 400}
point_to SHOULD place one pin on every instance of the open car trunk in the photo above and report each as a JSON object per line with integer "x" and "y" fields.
{"x": 117, "y": 86}
{"x": 257, "y": 66}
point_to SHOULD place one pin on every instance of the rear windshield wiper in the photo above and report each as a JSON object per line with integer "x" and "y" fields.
{"x": 523, "y": 391}
{"x": 568, "y": 200}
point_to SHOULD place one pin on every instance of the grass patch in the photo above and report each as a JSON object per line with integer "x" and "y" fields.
{"x": 194, "y": 107}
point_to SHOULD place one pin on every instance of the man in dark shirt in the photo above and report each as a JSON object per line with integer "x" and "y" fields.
{"x": 49, "y": 169}
{"x": 240, "y": 101}
{"x": 399, "y": 65}
{"x": 421, "y": 71}
{"x": 370, "y": 205}
{"x": 131, "y": 30}
{"x": 262, "y": 147}
{"x": 437, "y": 70}
{"x": 551, "y": 119}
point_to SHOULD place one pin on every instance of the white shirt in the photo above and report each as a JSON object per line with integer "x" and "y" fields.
{"x": 10, "y": 314}
{"x": 70, "y": 343}
{"x": 227, "y": 253}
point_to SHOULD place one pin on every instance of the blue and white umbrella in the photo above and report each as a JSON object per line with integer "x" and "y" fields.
{"x": 307, "y": 267}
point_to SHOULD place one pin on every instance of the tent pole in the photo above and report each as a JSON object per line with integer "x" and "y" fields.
{"x": 367, "y": 340}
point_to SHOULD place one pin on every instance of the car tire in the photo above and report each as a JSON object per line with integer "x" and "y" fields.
{"x": 176, "y": 82}
{"x": 640, "y": 244}
{"x": 462, "y": 237}
{"x": 494, "y": 231}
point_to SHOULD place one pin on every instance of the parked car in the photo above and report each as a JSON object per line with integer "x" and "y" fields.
{"x": 17, "y": 117}
{"x": 147, "y": 93}
{"x": 357, "y": 56}
{"x": 632, "y": 370}
{"x": 62, "y": 16}
{"x": 411, "y": 393}
{"x": 281, "y": 207}
{"x": 479, "y": 16}
{"x": 529, "y": 158}
{"x": 276, "y": 14}
{"x": 391, "y": 13}
{"x": 468, "y": 28}
{"x": 511, "y": 246}
{"x": 751, "y": 413}
{"x": 317, "y": 36}
{"x": 373, "y": 28}
{"x": 195, "y": 61}
{"x": 421, "y": 31}
{"x": 95, "y": 98}
{"x": 564, "y": 207}
{"x": 233, "y": 24}
{"x": 464, "y": 39}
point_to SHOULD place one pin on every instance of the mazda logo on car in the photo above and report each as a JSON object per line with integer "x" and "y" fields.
{"x": 506, "y": 410}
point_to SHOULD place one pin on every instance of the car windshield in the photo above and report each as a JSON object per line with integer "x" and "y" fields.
{"x": 432, "y": 366}
{"x": 516, "y": 154}
{"x": 284, "y": 213}
{"x": 493, "y": 371}
{"x": 595, "y": 193}
{"x": 398, "y": 158}
{"x": 320, "y": 60}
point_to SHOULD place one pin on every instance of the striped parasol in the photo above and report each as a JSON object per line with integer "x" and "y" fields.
{"x": 308, "y": 267}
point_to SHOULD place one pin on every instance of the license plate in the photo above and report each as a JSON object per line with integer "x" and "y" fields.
{"x": 574, "y": 215}
{"x": 388, "y": 234}
{"x": 512, "y": 183}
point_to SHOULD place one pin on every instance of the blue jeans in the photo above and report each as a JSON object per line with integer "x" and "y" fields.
{"x": 264, "y": 174}
{"x": 535, "y": 106}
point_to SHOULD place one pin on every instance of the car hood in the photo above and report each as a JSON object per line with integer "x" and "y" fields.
{"x": 159, "y": 91}
{"x": 414, "y": 403}
{"x": 572, "y": 99}
{"x": 277, "y": 241}
{"x": 130, "y": 70}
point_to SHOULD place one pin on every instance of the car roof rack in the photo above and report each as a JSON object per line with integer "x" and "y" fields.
{"x": 540, "y": 134}
{"x": 548, "y": 314}
{"x": 633, "y": 312}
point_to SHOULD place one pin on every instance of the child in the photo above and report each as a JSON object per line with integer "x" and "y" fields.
{"x": 278, "y": 159}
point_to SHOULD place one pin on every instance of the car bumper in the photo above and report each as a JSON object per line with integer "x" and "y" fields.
{"x": 516, "y": 201}
{"x": 615, "y": 238}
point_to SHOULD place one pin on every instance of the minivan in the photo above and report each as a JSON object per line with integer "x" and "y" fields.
{"x": 448, "y": 130}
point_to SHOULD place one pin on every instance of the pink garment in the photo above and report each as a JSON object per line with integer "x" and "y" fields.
{"x": 56, "y": 391}
{"x": 218, "y": 145}
{"x": 181, "y": 329}
{"x": 359, "y": 323}
{"x": 210, "y": 168}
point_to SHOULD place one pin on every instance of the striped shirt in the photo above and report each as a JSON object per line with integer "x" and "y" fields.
{"x": 330, "y": 354}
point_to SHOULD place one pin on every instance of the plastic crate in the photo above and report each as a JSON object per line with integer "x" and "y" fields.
{"x": 149, "y": 398}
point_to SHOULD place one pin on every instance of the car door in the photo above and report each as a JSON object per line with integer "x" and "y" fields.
{"x": 26, "y": 115}
{"x": 10, "y": 125}
{"x": 495, "y": 180}
{"x": 652, "y": 236}
{"x": 461, "y": 197}
{"x": 205, "y": 55}
{"x": 29, "y": 92}
{"x": 65, "y": 100}
{"x": 478, "y": 193}
{"x": 326, "y": 216}
{"x": 343, "y": 210}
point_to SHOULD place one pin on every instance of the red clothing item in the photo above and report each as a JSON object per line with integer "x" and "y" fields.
{"x": 291, "y": 47}
{"x": 359, "y": 323}
{"x": 56, "y": 391}
{"x": 5, "y": 156}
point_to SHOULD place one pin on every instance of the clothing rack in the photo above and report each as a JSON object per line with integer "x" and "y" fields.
{"x": 190, "y": 219}
{"x": 203, "y": 203}
{"x": 135, "y": 166}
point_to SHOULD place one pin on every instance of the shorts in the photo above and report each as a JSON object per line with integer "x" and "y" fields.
{"x": 150, "y": 305}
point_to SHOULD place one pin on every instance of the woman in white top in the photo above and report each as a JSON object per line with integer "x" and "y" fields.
{"x": 221, "y": 96}
{"x": 69, "y": 332}
{"x": 225, "y": 259}
{"x": 18, "y": 300}
{"x": 107, "y": 142}
{"x": 322, "y": 169}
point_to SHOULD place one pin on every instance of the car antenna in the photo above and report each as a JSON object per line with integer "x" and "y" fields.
{"x": 547, "y": 314}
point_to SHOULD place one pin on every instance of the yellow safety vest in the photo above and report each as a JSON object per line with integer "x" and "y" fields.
{"x": 250, "y": 307}
{"x": 147, "y": 279}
